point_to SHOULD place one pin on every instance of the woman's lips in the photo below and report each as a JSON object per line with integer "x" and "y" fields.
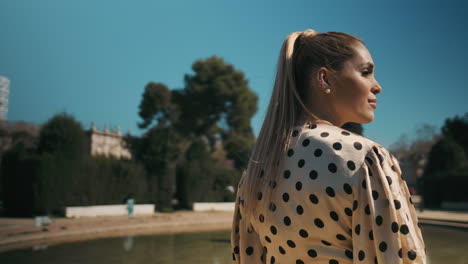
{"x": 373, "y": 103}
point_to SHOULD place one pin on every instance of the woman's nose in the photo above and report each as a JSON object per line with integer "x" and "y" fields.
{"x": 377, "y": 88}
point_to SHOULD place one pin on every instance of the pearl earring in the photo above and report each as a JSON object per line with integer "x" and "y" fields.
{"x": 327, "y": 90}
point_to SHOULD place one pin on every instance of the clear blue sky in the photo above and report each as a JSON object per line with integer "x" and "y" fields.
{"x": 93, "y": 58}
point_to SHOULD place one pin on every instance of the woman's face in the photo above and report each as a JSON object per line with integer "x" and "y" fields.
{"x": 355, "y": 88}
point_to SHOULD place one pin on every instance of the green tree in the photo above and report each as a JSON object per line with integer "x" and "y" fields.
{"x": 216, "y": 105}
{"x": 64, "y": 135}
{"x": 447, "y": 165}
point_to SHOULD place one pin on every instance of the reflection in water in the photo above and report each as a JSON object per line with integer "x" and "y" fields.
{"x": 128, "y": 243}
{"x": 444, "y": 245}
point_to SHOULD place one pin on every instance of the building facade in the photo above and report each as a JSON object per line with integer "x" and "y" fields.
{"x": 4, "y": 94}
{"x": 108, "y": 143}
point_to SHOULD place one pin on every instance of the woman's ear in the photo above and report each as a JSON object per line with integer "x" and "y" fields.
{"x": 323, "y": 78}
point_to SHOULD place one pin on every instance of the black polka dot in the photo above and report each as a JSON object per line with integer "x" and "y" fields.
{"x": 371, "y": 235}
{"x": 249, "y": 251}
{"x": 285, "y": 197}
{"x": 397, "y": 204}
{"x": 345, "y": 133}
{"x": 290, "y": 152}
{"x": 273, "y": 184}
{"x": 404, "y": 229}
{"x": 381, "y": 159}
{"x": 364, "y": 184}
{"x": 295, "y": 133}
{"x": 267, "y": 239}
{"x": 313, "y": 126}
{"x": 393, "y": 168}
{"x": 349, "y": 254}
{"x": 379, "y": 220}
{"x": 357, "y": 229}
{"x": 299, "y": 210}
{"x": 306, "y": 142}
{"x": 312, "y": 253}
{"x": 261, "y": 218}
{"x": 259, "y": 196}
{"x": 303, "y": 233}
{"x": 262, "y": 172}
{"x": 301, "y": 163}
{"x": 287, "y": 174}
{"x": 318, "y": 152}
{"x": 375, "y": 195}
{"x": 236, "y": 250}
{"x": 291, "y": 244}
{"x": 334, "y": 215}
{"x": 389, "y": 180}
{"x": 313, "y": 174}
{"x": 237, "y": 229}
{"x": 411, "y": 254}
{"x": 337, "y": 146}
{"x": 299, "y": 261}
{"x": 298, "y": 185}
{"x": 351, "y": 165}
{"x": 383, "y": 246}
{"x": 347, "y": 188}
{"x": 348, "y": 211}
{"x": 368, "y": 160}
{"x": 272, "y": 207}
{"x": 332, "y": 167}
{"x": 287, "y": 220}
{"x": 333, "y": 261}
{"x": 355, "y": 205}
{"x": 400, "y": 253}
{"x": 330, "y": 191}
{"x": 324, "y": 134}
{"x": 361, "y": 255}
{"x": 367, "y": 210}
{"x": 395, "y": 227}
{"x": 273, "y": 230}
{"x": 340, "y": 237}
{"x": 357, "y": 145}
{"x": 313, "y": 198}
{"x": 281, "y": 250}
{"x": 272, "y": 260}
{"x": 326, "y": 243}
{"x": 319, "y": 223}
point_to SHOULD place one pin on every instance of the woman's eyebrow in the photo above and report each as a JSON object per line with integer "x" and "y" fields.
{"x": 369, "y": 64}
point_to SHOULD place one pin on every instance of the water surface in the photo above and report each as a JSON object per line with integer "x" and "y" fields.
{"x": 444, "y": 245}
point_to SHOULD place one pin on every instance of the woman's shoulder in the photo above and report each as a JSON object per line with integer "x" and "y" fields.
{"x": 333, "y": 142}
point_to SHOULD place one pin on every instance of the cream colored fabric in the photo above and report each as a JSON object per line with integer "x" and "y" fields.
{"x": 340, "y": 199}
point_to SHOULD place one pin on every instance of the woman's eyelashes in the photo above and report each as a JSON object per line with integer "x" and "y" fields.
{"x": 366, "y": 72}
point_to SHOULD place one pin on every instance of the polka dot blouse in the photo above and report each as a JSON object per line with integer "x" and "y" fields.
{"x": 340, "y": 199}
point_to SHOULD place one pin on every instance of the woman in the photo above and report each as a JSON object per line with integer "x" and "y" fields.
{"x": 314, "y": 192}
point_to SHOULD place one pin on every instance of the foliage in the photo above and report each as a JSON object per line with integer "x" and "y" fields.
{"x": 18, "y": 169}
{"x": 215, "y": 106}
{"x": 62, "y": 134}
{"x": 62, "y": 174}
{"x": 200, "y": 178}
{"x": 446, "y": 172}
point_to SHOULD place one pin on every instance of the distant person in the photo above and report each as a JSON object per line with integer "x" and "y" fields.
{"x": 130, "y": 205}
{"x": 314, "y": 192}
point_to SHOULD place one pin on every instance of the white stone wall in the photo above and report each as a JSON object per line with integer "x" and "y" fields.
{"x": 107, "y": 210}
{"x": 226, "y": 207}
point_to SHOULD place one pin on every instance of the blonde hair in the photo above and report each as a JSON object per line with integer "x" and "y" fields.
{"x": 301, "y": 54}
